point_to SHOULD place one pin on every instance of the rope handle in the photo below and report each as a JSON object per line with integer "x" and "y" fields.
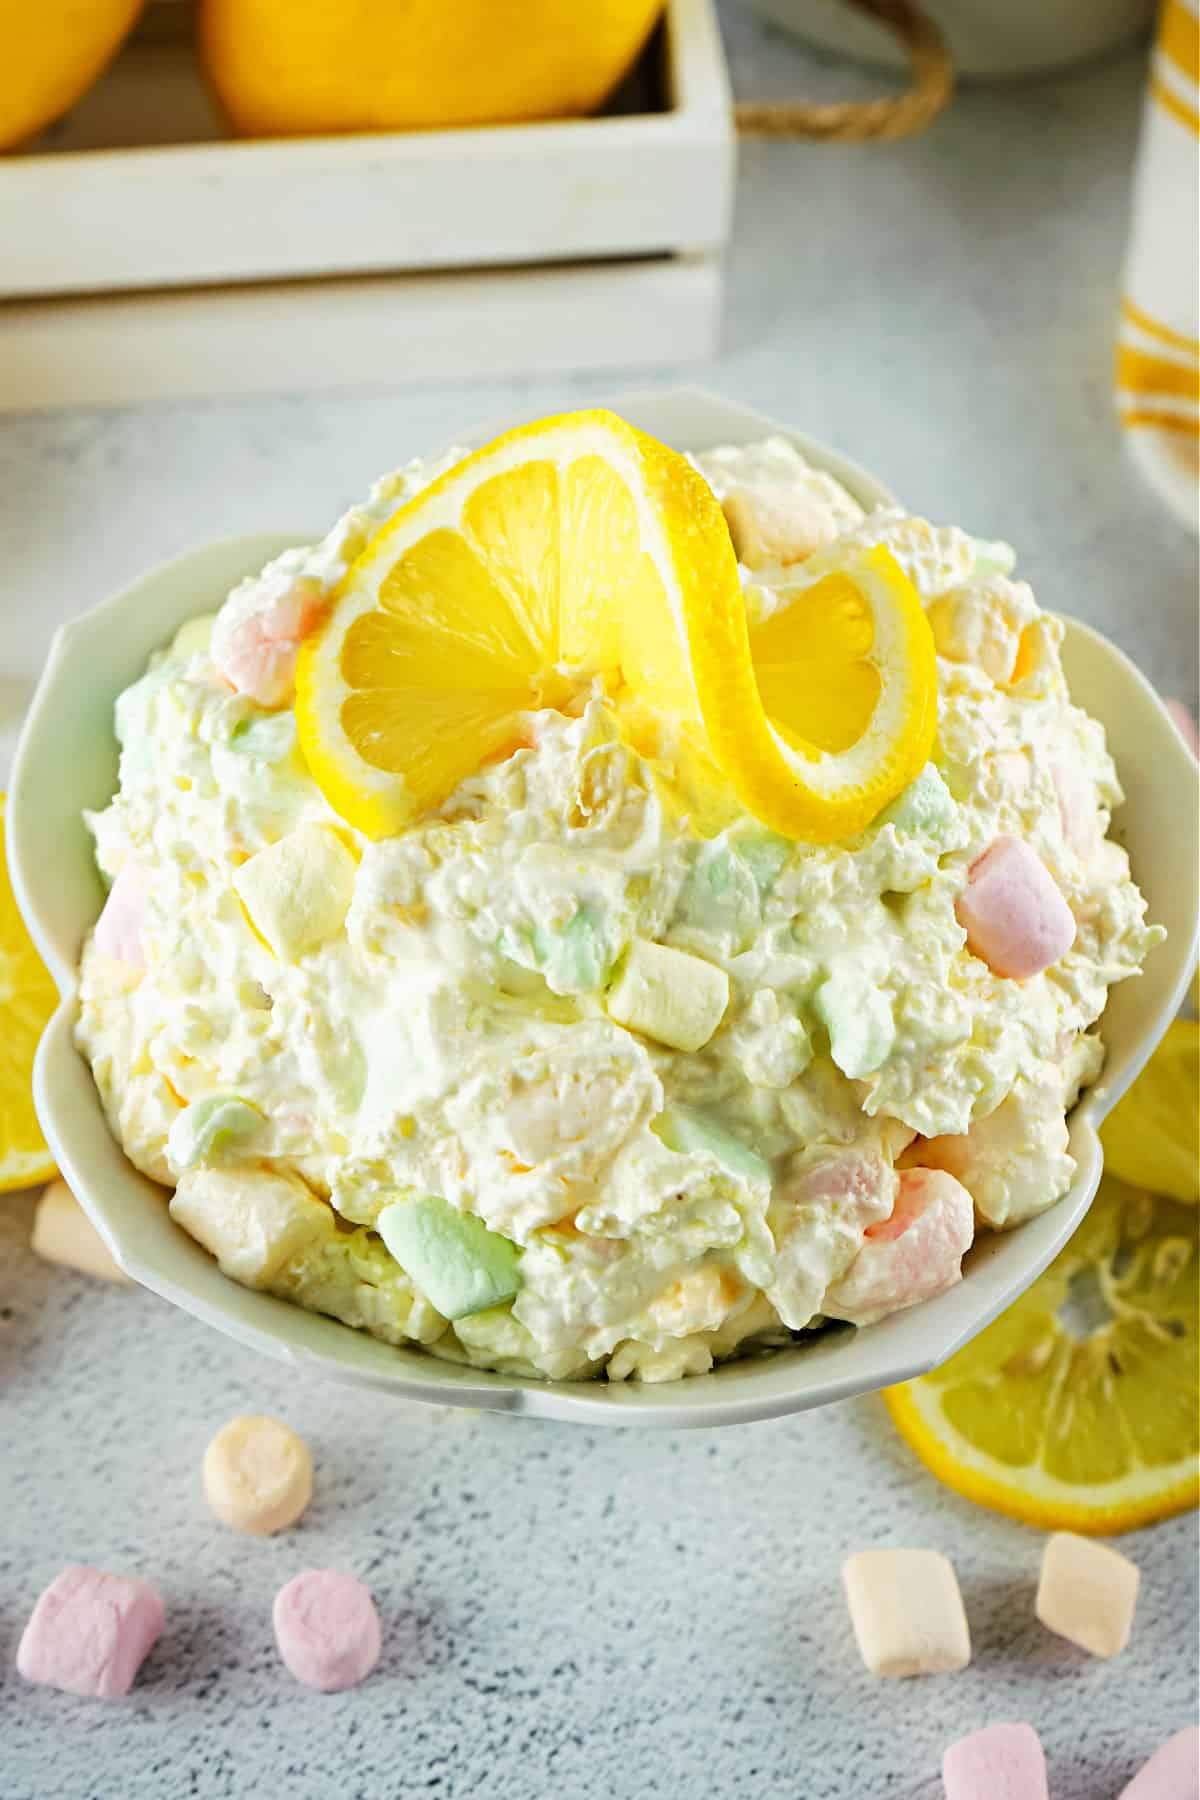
{"x": 870, "y": 121}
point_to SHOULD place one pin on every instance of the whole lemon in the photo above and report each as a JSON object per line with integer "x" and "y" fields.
{"x": 306, "y": 67}
{"x": 51, "y": 51}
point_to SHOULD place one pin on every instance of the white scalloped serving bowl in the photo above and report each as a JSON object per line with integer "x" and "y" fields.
{"x": 67, "y": 761}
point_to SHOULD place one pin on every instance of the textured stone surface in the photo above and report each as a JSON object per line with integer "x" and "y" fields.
{"x": 605, "y": 1616}
{"x": 601, "y": 1615}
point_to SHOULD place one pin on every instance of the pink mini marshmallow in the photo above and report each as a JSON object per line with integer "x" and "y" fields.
{"x": 1184, "y": 724}
{"x": 258, "y": 655}
{"x": 90, "y": 1633}
{"x": 327, "y": 1629}
{"x": 1173, "y": 1772}
{"x": 910, "y": 1256}
{"x": 1015, "y": 918}
{"x": 1001, "y": 1762}
{"x": 1077, "y": 805}
{"x": 119, "y": 928}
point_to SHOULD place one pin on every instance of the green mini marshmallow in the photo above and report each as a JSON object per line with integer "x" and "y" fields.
{"x": 209, "y": 1127}
{"x": 993, "y": 557}
{"x": 451, "y": 1256}
{"x": 574, "y": 960}
{"x": 926, "y": 806}
{"x": 859, "y": 1021}
{"x": 271, "y": 738}
{"x": 720, "y": 894}
{"x": 693, "y": 1133}
{"x": 764, "y": 854}
{"x": 194, "y": 636}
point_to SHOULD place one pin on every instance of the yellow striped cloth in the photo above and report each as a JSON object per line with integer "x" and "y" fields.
{"x": 1158, "y": 352}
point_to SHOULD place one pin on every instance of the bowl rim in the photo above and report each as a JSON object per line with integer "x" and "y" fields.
{"x": 741, "y": 1391}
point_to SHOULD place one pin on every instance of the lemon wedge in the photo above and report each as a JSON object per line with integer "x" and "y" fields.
{"x": 1152, "y": 1137}
{"x": 1079, "y": 1409}
{"x": 577, "y": 552}
{"x": 27, "y": 999}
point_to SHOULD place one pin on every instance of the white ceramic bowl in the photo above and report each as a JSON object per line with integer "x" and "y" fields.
{"x": 67, "y": 761}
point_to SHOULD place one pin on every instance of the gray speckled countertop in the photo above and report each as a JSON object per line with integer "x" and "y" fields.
{"x": 568, "y": 1613}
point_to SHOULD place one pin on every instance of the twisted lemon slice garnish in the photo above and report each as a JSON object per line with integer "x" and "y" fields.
{"x": 577, "y": 549}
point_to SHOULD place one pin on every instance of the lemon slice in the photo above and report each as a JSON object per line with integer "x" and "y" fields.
{"x": 1079, "y": 1409}
{"x": 27, "y": 999}
{"x": 1152, "y": 1137}
{"x": 578, "y": 551}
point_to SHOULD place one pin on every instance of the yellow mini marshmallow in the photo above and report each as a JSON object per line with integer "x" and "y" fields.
{"x": 257, "y": 1475}
{"x": 1087, "y": 1593}
{"x": 298, "y": 891}
{"x": 63, "y": 1233}
{"x": 668, "y": 995}
{"x": 252, "y": 1222}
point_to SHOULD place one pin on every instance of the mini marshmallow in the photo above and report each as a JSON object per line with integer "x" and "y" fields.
{"x": 776, "y": 524}
{"x": 1184, "y": 724}
{"x": 907, "y": 1612}
{"x": 925, "y": 807}
{"x": 118, "y": 930}
{"x": 1173, "y": 1772}
{"x": 911, "y": 1256}
{"x": 1087, "y": 1593}
{"x": 1001, "y": 1762}
{"x": 1012, "y": 911}
{"x": 668, "y": 995}
{"x": 297, "y": 892}
{"x": 251, "y": 1220}
{"x": 257, "y": 655}
{"x": 63, "y": 1233}
{"x": 257, "y": 1475}
{"x": 858, "y": 1017}
{"x": 327, "y": 1629}
{"x": 90, "y": 1633}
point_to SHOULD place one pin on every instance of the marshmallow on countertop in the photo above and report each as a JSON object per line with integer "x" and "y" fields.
{"x": 1013, "y": 912}
{"x": 1001, "y": 1762}
{"x": 1087, "y": 1593}
{"x": 63, "y": 1233}
{"x": 327, "y": 1629}
{"x": 907, "y": 1612}
{"x": 90, "y": 1633}
{"x": 257, "y": 1475}
{"x": 1173, "y": 1772}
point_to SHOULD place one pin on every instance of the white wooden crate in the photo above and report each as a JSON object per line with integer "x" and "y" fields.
{"x": 138, "y": 190}
{"x": 382, "y": 330}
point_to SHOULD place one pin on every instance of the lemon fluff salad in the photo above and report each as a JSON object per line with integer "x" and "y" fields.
{"x": 484, "y": 967}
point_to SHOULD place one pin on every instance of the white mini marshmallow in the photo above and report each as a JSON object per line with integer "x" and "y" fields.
{"x": 907, "y": 1612}
{"x": 776, "y": 524}
{"x": 90, "y": 1633}
{"x": 63, "y": 1233}
{"x": 1087, "y": 1593}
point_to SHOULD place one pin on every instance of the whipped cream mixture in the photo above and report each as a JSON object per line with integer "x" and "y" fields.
{"x": 441, "y": 1021}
